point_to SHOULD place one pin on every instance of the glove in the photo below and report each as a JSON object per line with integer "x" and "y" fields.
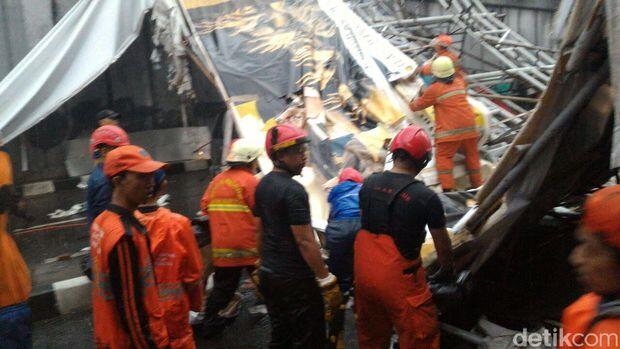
{"x": 448, "y": 293}
{"x": 442, "y": 276}
{"x": 332, "y": 297}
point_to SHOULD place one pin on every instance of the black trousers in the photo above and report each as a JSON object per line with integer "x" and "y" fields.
{"x": 225, "y": 283}
{"x": 296, "y": 311}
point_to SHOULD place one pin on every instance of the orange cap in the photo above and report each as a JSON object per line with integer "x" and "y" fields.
{"x": 443, "y": 40}
{"x": 602, "y": 214}
{"x": 130, "y": 158}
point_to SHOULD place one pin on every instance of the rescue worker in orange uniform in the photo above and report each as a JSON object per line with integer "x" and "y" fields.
{"x": 15, "y": 285}
{"x": 229, "y": 201}
{"x": 127, "y": 311}
{"x": 390, "y": 284}
{"x": 593, "y": 321}
{"x": 299, "y": 291}
{"x": 441, "y": 44}
{"x": 455, "y": 123}
{"x": 177, "y": 262}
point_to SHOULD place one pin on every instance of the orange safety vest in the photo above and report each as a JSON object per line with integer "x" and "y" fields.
{"x": 178, "y": 267}
{"x": 582, "y": 327}
{"x": 228, "y": 201}
{"x": 454, "y": 117}
{"x": 15, "y": 285}
{"x": 110, "y": 332}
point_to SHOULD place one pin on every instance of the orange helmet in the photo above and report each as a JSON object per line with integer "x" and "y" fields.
{"x": 602, "y": 214}
{"x": 284, "y": 136}
{"x": 443, "y": 40}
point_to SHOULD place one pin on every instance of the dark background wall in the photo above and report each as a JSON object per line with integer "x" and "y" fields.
{"x": 133, "y": 86}
{"x": 139, "y": 90}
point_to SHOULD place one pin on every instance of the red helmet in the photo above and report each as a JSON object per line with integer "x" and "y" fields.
{"x": 414, "y": 141}
{"x": 110, "y": 135}
{"x": 284, "y": 136}
{"x": 350, "y": 174}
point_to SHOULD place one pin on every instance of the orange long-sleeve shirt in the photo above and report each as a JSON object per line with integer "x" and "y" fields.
{"x": 581, "y": 332}
{"x": 454, "y": 117}
{"x": 15, "y": 285}
{"x": 228, "y": 201}
{"x": 178, "y": 269}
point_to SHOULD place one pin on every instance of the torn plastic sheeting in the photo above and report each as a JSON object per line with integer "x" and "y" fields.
{"x": 89, "y": 38}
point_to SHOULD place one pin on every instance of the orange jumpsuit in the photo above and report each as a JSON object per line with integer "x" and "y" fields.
{"x": 390, "y": 283}
{"x": 127, "y": 312}
{"x": 178, "y": 269}
{"x": 582, "y": 331}
{"x": 228, "y": 201}
{"x": 15, "y": 285}
{"x": 384, "y": 290}
{"x": 455, "y": 127}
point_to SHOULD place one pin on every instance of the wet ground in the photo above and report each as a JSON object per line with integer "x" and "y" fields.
{"x": 248, "y": 331}
{"x": 53, "y": 252}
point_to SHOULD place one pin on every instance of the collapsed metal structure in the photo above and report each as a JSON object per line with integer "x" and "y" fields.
{"x": 521, "y": 68}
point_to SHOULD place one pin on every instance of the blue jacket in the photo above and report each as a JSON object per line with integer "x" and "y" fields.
{"x": 344, "y": 200}
{"x": 98, "y": 194}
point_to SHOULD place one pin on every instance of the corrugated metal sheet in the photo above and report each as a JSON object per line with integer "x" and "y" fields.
{"x": 532, "y": 22}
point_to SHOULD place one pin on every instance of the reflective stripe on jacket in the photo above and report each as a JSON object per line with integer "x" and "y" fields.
{"x": 178, "y": 269}
{"x": 127, "y": 312}
{"x": 228, "y": 201}
{"x": 454, "y": 117}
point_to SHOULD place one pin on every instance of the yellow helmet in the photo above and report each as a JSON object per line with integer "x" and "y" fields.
{"x": 244, "y": 150}
{"x": 442, "y": 67}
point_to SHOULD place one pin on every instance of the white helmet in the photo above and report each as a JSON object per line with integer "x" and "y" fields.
{"x": 244, "y": 150}
{"x": 442, "y": 67}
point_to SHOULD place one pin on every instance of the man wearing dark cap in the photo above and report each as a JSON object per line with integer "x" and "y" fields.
{"x": 108, "y": 117}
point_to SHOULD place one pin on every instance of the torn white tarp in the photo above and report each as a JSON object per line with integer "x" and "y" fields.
{"x": 169, "y": 31}
{"x": 369, "y": 49}
{"x": 367, "y": 46}
{"x": 90, "y": 37}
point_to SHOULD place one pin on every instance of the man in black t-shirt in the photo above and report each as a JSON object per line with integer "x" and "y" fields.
{"x": 294, "y": 280}
{"x": 391, "y": 289}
